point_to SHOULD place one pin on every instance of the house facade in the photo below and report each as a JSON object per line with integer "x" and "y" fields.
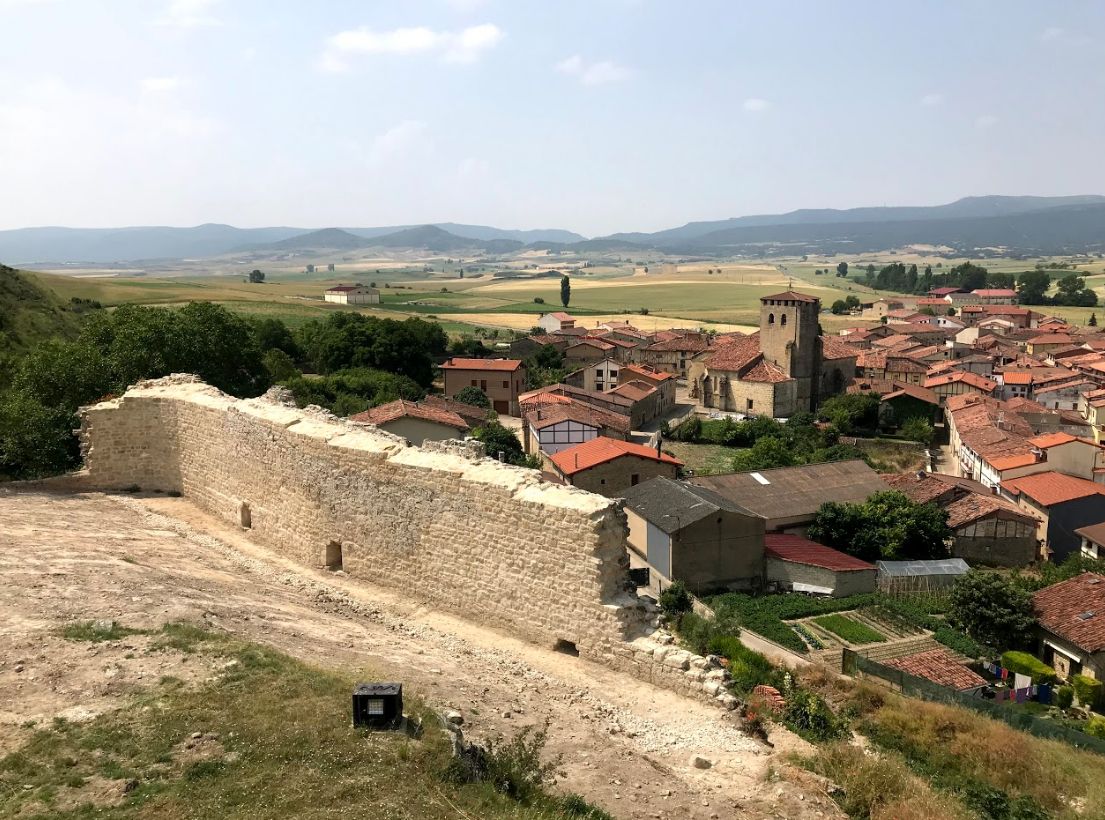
{"x": 352, "y": 295}
{"x": 501, "y": 380}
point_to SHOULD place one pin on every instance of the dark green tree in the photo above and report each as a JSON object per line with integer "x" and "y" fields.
{"x": 1032, "y": 287}
{"x": 256, "y": 276}
{"x": 839, "y": 307}
{"x": 565, "y": 290}
{"x": 474, "y": 396}
{"x": 992, "y": 609}
{"x": 1093, "y": 320}
{"x": 842, "y": 269}
{"x": 765, "y": 454}
{"x": 36, "y": 440}
{"x": 887, "y": 525}
{"x": 499, "y": 439}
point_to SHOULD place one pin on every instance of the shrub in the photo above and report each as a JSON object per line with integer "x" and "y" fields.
{"x": 808, "y": 716}
{"x": 1095, "y": 726}
{"x": 1064, "y": 697}
{"x": 1088, "y": 690}
{"x": 537, "y": 300}
{"x": 675, "y": 599}
{"x": 957, "y": 641}
{"x": 747, "y": 667}
{"x": 1030, "y": 665}
{"x": 575, "y": 806}
{"x": 474, "y": 396}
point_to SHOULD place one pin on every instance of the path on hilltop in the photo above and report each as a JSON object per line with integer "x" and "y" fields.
{"x": 626, "y": 744}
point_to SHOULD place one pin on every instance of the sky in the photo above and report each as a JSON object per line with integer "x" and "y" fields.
{"x": 592, "y": 115}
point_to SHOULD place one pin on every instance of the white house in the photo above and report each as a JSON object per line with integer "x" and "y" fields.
{"x": 353, "y": 295}
{"x": 552, "y": 322}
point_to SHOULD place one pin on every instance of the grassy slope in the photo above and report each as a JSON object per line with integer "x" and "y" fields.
{"x": 30, "y": 312}
{"x": 284, "y": 748}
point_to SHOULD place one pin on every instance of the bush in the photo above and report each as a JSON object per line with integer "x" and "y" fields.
{"x": 575, "y": 806}
{"x": 1095, "y": 726}
{"x": 957, "y": 642}
{"x": 747, "y": 668}
{"x": 1030, "y": 665}
{"x": 1064, "y": 697}
{"x": 537, "y": 300}
{"x": 1088, "y": 690}
{"x": 675, "y": 600}
{"x": 810, "y": 717}
{"x": 474, "y": 396}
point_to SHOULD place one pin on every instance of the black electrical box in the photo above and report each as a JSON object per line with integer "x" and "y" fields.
{"x": 377, "y": 705}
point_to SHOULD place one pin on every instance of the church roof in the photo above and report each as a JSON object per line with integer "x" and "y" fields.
{"x": 791, "y": 296}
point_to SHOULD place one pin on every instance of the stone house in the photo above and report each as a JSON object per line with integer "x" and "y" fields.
{"x": 644, "y": 396}
{"x": 908, "y": 401}
{"x": 604, "y": 400}
{"x": 672, "y": 355}
{"x": 610, "y": 467}
{"x": 550, "y": 428}
{"x": 501, "y": 380}
{"x": 597, "y": 376}
{"x": 996, "y": 296}
{"x": 587, "y": 351}
{"x": 734, "y": 376}
{"x": 987, "y": 529}
{"x": 958, "y": 382}
{"x": 691, "y": 534}
{"x": 1070, "y": 618}
{"x": 530, "y": 345}
{"x": 796, "y": 564}
{"x": 558, "y": 320}
{"x": 663, "y": 382}
{"x": 1062, "y": 504}
{"x": 415, "y": 422}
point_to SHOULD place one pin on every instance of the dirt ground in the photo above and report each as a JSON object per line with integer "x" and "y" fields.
{"x": 626, "y": 745}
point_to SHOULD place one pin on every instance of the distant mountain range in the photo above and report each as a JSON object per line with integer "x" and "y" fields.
{"x": 972, "y": 226}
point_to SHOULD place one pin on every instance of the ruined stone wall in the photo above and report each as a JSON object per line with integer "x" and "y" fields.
{"x": 441, "y": 523}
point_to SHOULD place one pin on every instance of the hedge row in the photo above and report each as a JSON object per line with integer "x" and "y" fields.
{"x": 1030, "y": 665}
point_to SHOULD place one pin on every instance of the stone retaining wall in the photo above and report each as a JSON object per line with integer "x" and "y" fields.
{"x": 442, "y": 523}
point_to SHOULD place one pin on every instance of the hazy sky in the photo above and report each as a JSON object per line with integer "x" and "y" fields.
{"x": 593, "y": 115}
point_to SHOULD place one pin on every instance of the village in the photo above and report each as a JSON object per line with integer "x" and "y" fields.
{"x": 1017, "y": 466}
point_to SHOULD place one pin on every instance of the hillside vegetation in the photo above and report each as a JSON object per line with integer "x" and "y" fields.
{"x": 30, "y": 313}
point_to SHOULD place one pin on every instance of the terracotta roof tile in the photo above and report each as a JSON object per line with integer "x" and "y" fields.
{"x": 939, "y": 666}
{"x": 799, "y": 550}
{"x": 832, "y": 348}
{"x": 600, "y": 450}
{"x": 483, "y": 364}
{"x": 543, "y": 416}
{"x": 792, "y": 296}
{"x": 1075, "y": 610}
{"x": 1050, "y": 488}
{"x": 409, "y": 409}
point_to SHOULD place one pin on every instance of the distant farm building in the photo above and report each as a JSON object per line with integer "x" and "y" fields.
{"x": 353, "y": 295}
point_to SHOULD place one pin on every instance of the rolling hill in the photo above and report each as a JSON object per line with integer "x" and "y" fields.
{"x": 30, "y": 313}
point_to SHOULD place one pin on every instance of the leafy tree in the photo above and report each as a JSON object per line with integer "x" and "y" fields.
{"x": 36, "y": 440}
{"x": 474, "y": 396}
{"x": 918, "y": 429}
{"x": 1072, "y": 290}
{"x": 499, "y": 439}
{"x": 992, "y": 609}
{"x": 842, "y": 269}
{"x": 765, "y": 454}
{"x": 256, "y": 276}
{"x": 354, "y": 340}
{"x": 352, "y": 391}
{"x": 851, "y": 411}
{"x": 1032, "y": 287}
{"x": 566, "y": 290}
{"x": 544, "y": 367}
{"x": 887, "y": 525}
{"x": 279, "y": 365}
{"x": 839, "y": 307}
{"x": 273, "y": 334}
{"x": 675, "y": 600}
{"x": 469, "y": 347}
{"x": 852, "y": 301}
{"x": 968, "y": 276}
{"x": 537, "y": 300}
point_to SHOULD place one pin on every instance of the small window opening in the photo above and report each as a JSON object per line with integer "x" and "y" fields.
{"x": 771, "y": 318}
{"x": 566, "y": 647}
{"x": 783, "y": 319}
{"x": 334, "y": 557}
{"x": 635, "y": 479}
{"x": 245, "y": 516}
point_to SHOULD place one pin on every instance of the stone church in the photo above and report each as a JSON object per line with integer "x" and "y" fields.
{"x": 784, "y": 368}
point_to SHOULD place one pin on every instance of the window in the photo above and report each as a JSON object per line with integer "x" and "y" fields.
{"x": 333, "y": 556}
{"x": 771, "y": 318}
{"x": 602, "y": 481}
{"x": 245, "y": 516}
{"x": 375, "y": 706}
{"x": 634, "y": 480}
{"x": 483, "y": 385}
{"x": 598, "y": 385}
{"x": 749, "y": 403}
{"x": 473, "y": 382}
{"x": 614, "y": 373}
{"x": 506, "y": 385}
{"x": 783, "y": 319}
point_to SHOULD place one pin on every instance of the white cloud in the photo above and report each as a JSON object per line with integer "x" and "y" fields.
{"x": 465, "y": 46}
{"x": 600, "y": 72}
{"x": 756, "y": 104}
{"x": 932, "y": 99}
{"x": 188, "y": 14}
{"x": 156, "y": 85}
{"x": 986, "y": 121}
{"x": 400, "y": 141}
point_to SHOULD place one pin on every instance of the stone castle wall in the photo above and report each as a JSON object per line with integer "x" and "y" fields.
{"x": 440, "y": 523}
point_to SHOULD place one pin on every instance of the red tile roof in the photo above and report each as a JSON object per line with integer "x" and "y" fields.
{"x": 635, "y": 390}
{"x": 965, "y": 376}
{"x": 543, "y": 416}
{"x": 561, "y": 316}
{"x": 1052, "y": 440}
{"x": 939, "y": 666}
{"x": 692, "y": 343}
{"x": 482, "y": 364}
{"x": 791, "y": 296}
{"x": 647, "y": 372}
{"x": 1003, "y": 463}
{"x": 799, "y": 550}
{"x": 992, "y": 292}
{"x": 601, "y": 450}
{"x": 944, "y": 291}
{"x": 1017, "y": 378}
{"x": 408, "y": 409}
{"x": 833, "y": 348}
{"x": 1074, "y": 610}
{"x": 1050, "y": 488}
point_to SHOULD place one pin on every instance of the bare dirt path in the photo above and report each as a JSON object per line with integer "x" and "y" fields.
{"x": 626, "y": 745}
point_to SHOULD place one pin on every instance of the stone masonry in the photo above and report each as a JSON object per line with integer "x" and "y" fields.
{"x": 442, "y": 523}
